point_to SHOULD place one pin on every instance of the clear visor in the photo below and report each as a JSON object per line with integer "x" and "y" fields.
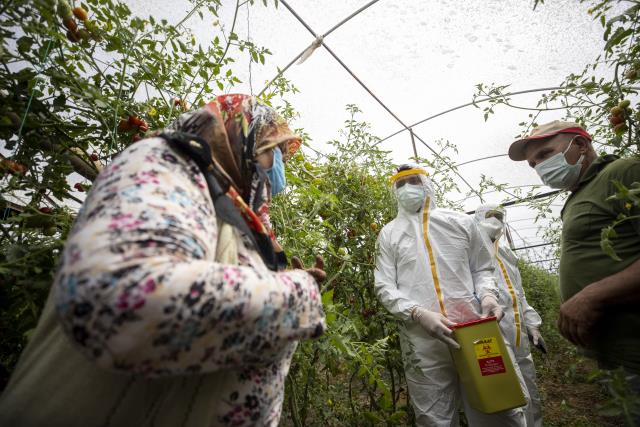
{"x": 409, "y": 179}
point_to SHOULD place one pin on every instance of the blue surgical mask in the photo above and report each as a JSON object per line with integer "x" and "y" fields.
{"x": 276, "y": 173}
{"x": 411, "y": 197}
{"x": 556, "y": 172}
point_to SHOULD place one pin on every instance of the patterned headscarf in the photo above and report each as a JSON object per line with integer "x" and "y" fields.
{"x": 238, "y": 128}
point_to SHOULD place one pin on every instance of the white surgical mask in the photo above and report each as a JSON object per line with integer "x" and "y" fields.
{"x": 556, "y": 172}
{"x": 493, "y": 227}
{"x": 411, "y": 197}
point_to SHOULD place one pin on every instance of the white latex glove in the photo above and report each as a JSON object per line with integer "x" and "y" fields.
{"x": 536, "y": 339}
{"x": 490, "y": 307}
{"x": 436, "y": 325}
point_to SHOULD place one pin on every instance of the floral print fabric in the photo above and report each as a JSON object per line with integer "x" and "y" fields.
{"x": 139, "y": 291}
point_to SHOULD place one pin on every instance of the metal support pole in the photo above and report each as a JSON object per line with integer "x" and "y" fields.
{"x": 413, "y": 142}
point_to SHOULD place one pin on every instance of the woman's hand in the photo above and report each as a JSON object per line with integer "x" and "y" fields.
{"x": 317, "y": 271}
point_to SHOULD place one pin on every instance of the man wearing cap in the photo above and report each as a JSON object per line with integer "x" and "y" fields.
{"x": 600, "y": 295}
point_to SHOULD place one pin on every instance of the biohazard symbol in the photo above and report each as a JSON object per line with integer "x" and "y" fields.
{"x": 486, "y": 347}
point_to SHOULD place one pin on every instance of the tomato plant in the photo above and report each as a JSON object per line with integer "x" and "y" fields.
{"x": 80, "y": 82}
{"x": 334, "y": 206}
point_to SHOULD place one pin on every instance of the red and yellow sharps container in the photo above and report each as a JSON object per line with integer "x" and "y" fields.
{"x": 485, "y": 368}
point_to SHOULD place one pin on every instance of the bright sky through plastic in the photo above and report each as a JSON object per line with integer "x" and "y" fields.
{"x": 419, "y": 57}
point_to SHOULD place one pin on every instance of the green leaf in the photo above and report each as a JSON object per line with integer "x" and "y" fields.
{"x": 339, "y": 344}
{"x": 327, "y": 298}
{"x": 60, "y": 101}
{"x": 24, "y": 44}
{"x": 362, "y": 371}
{"x": 606, "y": 244}
{"x": 373, "y": 417}
{"x": 330, "y": 318}
{"x": 618, "y": 37}
{"x": 398, "y": 418}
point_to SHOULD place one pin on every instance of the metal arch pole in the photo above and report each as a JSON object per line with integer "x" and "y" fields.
{"x": 535, "y": 246}
{"x": 382, "y": 104}
{"x": 413, "y": 143}
{"x": 480, "y": 159}
{"x": 348, "y": 18}
{"x": 335, "y": 27}
{"x": 479, "y": 101}
{"x": 469, "y": 104}
{"x": 525, "y": 199}
{"x": 509, "y": 238}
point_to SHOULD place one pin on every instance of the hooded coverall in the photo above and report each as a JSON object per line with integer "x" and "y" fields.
{"x": 519, "y": 316}
{"x": 436, "y": 259}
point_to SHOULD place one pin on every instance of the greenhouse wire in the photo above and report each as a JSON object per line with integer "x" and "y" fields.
{"x": 535, "y": 246}
{"x": 382, "y": 104}
{"x": 409, "y": 128}
{"x": 348, "y": 18}
{"x": 478, "y": 101}
{"x": 412, "y": 132}
{"x": 318, "y": 40}
{"x": 524, "y": 199}
{"x": 544, "y": 260}
{"x": 480, "y": 159}
{"x": 468, "y": 104}
{"x": 501, "y": 189}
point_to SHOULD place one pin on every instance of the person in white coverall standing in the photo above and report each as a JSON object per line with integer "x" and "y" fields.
{"x": 520, "y": 319}
{"x": 434, "y": 269}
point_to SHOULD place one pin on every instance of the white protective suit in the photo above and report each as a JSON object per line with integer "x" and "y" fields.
{"x": 450, "y": 269}
{"x": 519, "y": 316}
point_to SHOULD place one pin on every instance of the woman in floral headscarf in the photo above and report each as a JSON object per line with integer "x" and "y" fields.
{"x": 170, "y": 306}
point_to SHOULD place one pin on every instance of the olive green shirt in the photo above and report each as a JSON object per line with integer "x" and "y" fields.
{"x": 582, "y": 260}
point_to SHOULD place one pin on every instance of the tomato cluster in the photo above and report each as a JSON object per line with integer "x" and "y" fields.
{"x": 133, "y": 123}
{"x": 69, "y": 16}
{"x": 12, "y": 166}
{"x": 181, "y": 103}
{"x": 618, "y": 117}
{"x": 633, "y": 72}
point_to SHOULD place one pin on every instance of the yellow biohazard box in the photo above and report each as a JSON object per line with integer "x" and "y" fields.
{"x": 484, "y": 366}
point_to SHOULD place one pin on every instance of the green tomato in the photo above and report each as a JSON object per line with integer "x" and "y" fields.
{"x": 50, "y": 231}
{"x": 64, "y": 9}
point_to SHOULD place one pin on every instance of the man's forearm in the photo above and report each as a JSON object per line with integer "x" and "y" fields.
{"x": 622, "y": 288}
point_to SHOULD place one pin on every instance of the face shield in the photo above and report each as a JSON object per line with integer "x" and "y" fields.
{"x": 412, "y": 186}
{"x": 491, "y": 219}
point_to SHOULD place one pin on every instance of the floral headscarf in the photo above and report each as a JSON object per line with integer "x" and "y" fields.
{"x": 236, "y": 128}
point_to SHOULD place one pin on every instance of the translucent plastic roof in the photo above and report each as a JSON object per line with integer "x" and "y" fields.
{"x": 419, "y": 58}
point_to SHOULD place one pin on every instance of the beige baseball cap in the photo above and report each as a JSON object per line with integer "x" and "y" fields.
{"x": 542, "y": 132}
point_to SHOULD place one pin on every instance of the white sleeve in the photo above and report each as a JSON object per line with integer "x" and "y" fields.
{"x": 386, "y": 285}
{"x": 139, "y": 291}
{"x": 481, "y": 264}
